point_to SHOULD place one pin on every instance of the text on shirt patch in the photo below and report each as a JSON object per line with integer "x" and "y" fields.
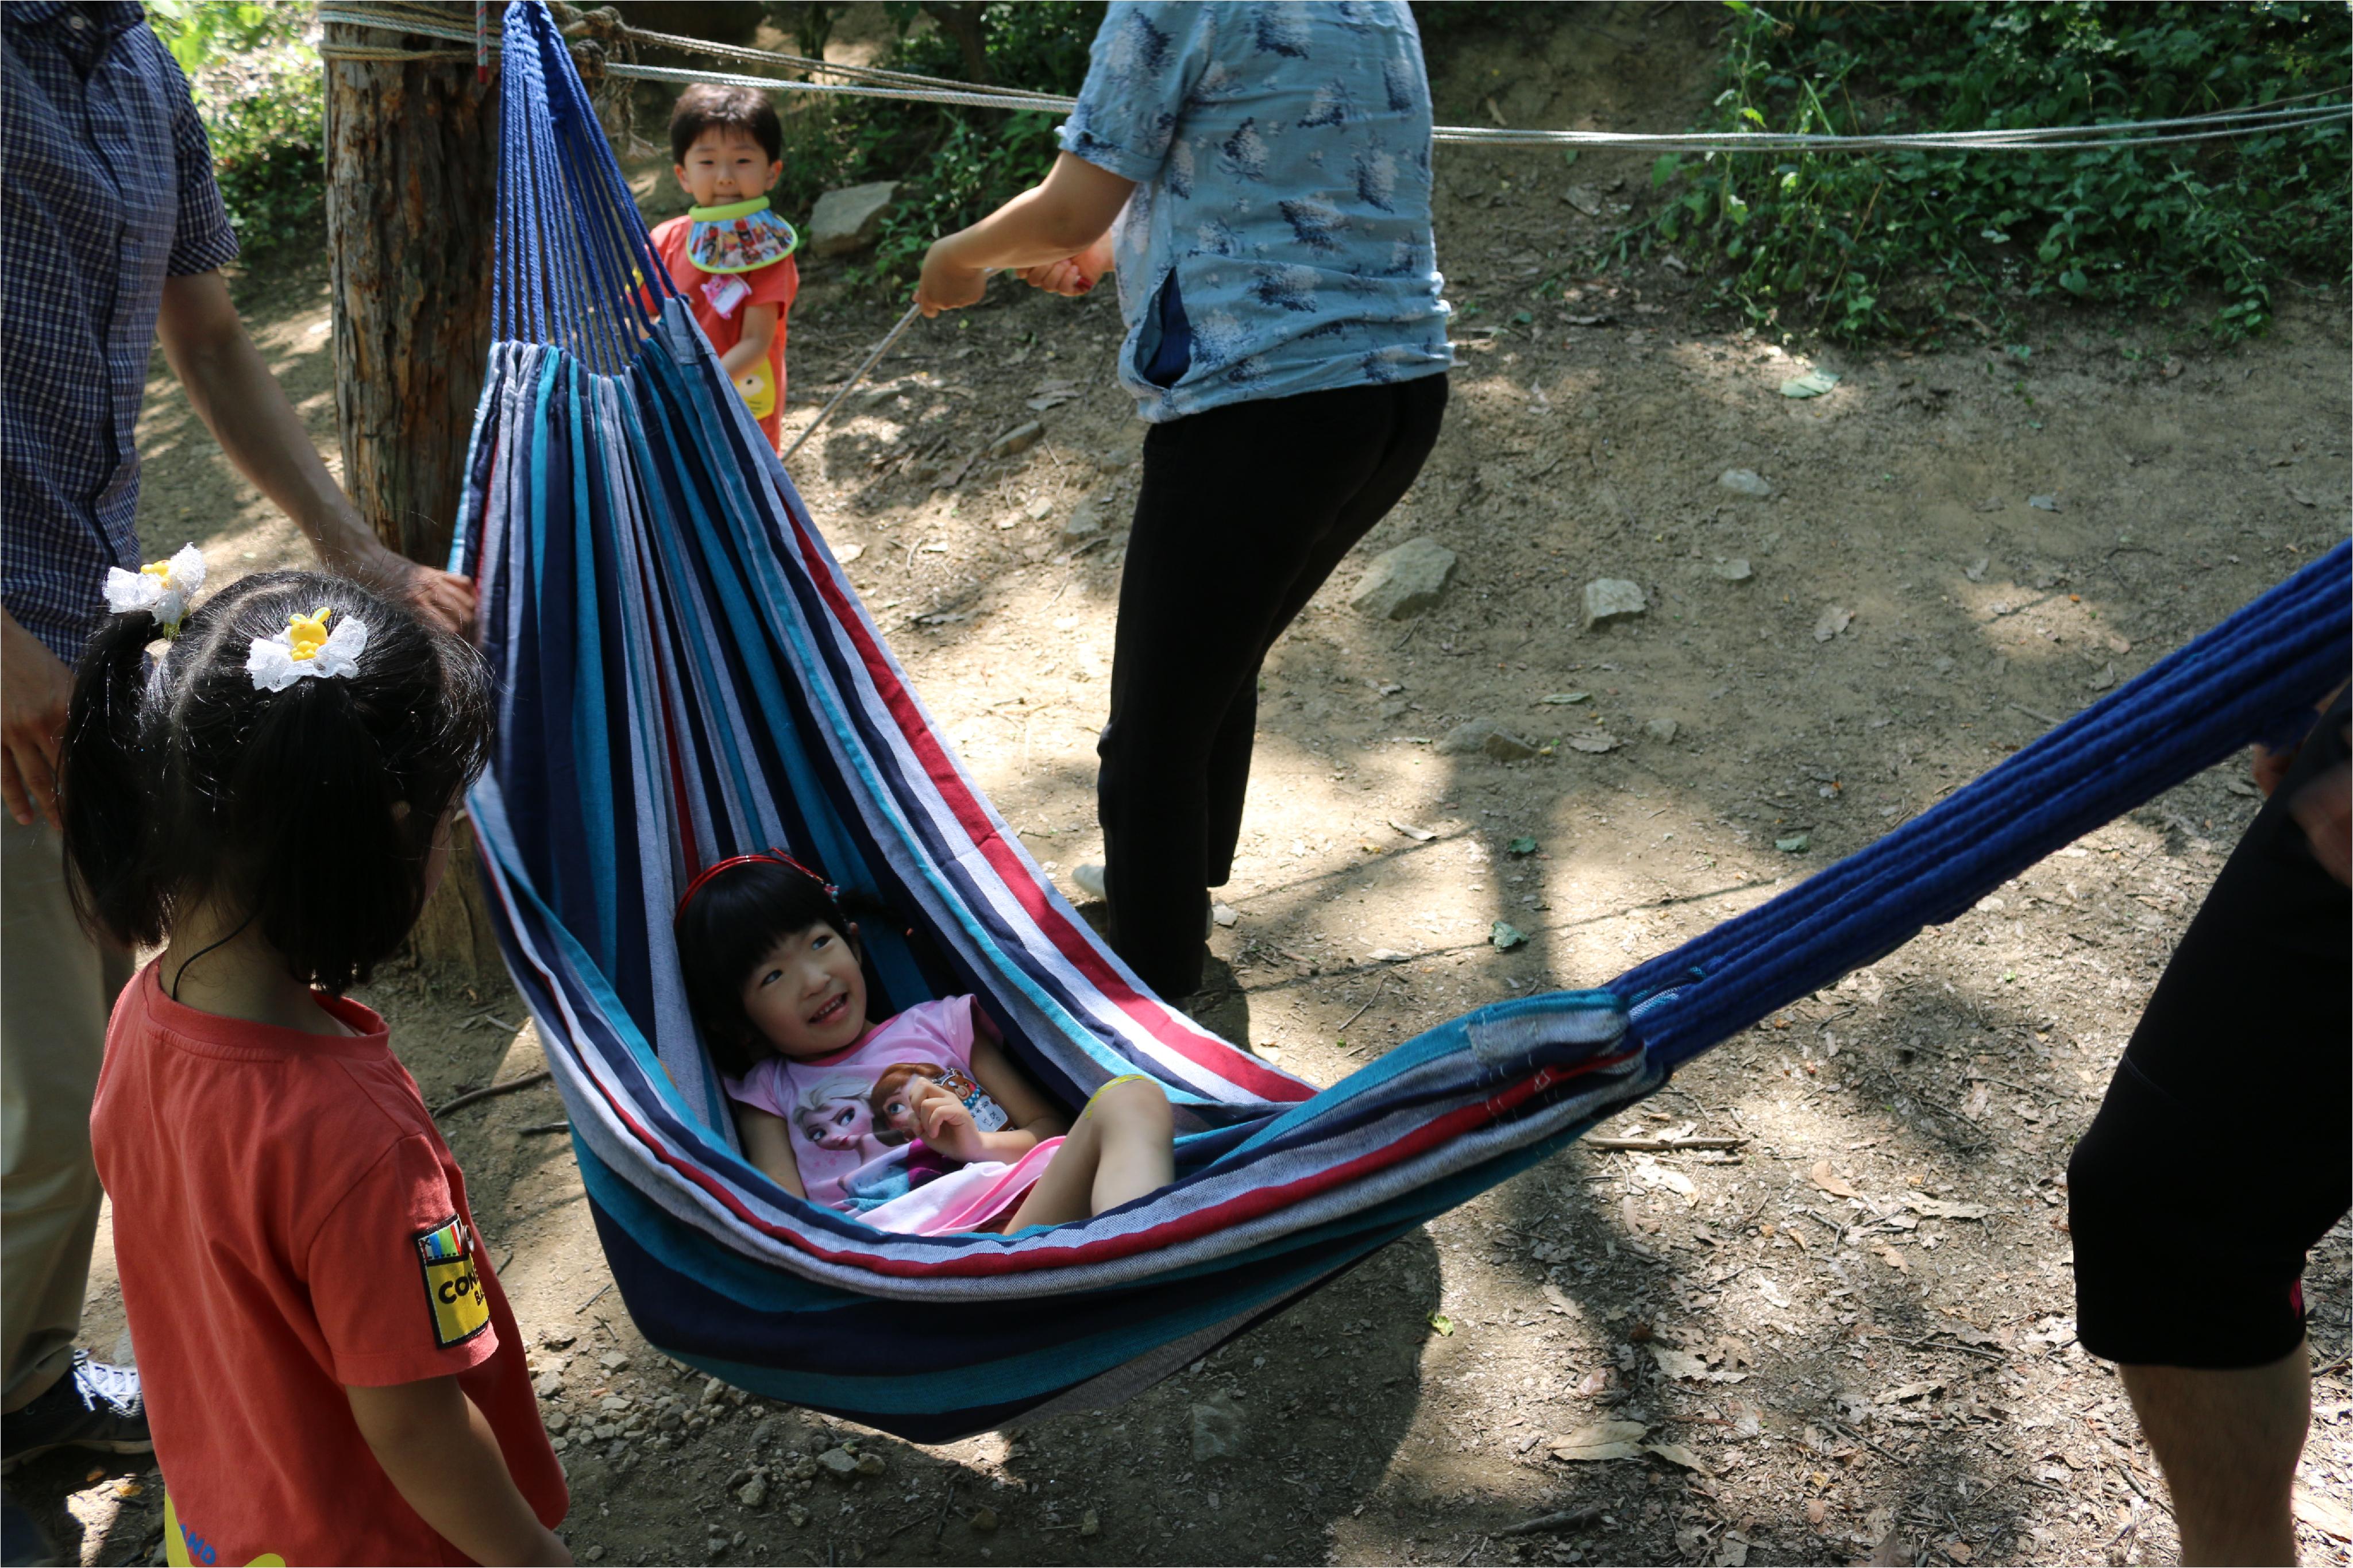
{"x": 453, "y": 1286}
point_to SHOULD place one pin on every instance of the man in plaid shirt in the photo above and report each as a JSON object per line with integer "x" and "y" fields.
{"x": 111, "y": 234}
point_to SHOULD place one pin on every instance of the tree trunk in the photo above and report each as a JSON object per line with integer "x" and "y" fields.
{"x": 412, "y": 188}
{"x": 412, "y": 192}
{"x": 961, "y": 20}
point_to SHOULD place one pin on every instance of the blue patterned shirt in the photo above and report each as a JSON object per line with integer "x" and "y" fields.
{"x": 1279, "y": 238}
{"x": 107, "y": 188}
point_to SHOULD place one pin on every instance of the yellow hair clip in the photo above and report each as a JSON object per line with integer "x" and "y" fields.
{"x": 161, "y": 588}
{"x": 306, "y": 647}
{"x": 306, "y": 635}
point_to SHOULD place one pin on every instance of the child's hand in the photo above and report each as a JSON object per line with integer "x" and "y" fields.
{"x": 944, "y": 1122}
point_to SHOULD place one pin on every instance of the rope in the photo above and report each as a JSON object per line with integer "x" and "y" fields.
{"x": 907, "y": 87}
{"x": 855, "y": 377}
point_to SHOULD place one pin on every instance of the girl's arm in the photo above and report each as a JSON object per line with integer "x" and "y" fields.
{"x": 443, "y": 1458}
{"x": 1050, "y": 222}
{"x": 769, "y": 1144}
{"x": 759, "y": 331}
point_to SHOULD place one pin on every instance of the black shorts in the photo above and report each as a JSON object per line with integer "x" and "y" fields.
{"x": 2224, "y": 1149}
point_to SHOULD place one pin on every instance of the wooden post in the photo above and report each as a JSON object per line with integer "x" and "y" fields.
{"x": 412, "y": 187}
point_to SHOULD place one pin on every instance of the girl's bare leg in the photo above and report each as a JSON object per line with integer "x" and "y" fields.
{"x": 1120, "y": 1149}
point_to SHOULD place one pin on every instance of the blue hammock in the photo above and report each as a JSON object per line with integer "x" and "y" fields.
{"x": 686, "y": 674}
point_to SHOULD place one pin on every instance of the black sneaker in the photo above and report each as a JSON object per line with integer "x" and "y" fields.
{"x": 22, "y": 1539}
{"x": 94, "y": 1406}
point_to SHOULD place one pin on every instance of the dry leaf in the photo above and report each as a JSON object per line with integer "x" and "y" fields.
{"x": 1958, "y": 1550}
{"x": 1834, "y": 1184}
{"x": 1891, "y": 1552}
{"x": 1595, "y": 744}
{"x": 2325, "y": 1516}
{"x": 1911, "y": 1391}
{"x": 1684, "y": 1364}
{"x": 1734, "y": 1553}
{"x": 1834, "y": 620}
{"x": 1817, "y": 1511}
{"x": 1895, "y": 1261}
{"x": 1419, "y": 835}
{"x": 1677, "y": 1455}
{"x": 1602, "y": 1440}
{"x": 1938, "y": 1208}
{"x": 1560, "y": 1299}
{"x": 1980, "y": 1097}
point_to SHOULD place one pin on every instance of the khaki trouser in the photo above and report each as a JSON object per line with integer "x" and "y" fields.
{"x": 56, "y": 987}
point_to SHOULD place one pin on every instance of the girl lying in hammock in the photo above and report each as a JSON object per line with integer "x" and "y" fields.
{"x": 919, "y": 1124}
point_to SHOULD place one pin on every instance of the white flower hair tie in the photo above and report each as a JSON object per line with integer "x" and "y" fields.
{"x": 161, "y": 588}
{"x": 306, "y": 647}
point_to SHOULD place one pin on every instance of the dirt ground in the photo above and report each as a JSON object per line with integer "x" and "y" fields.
{"x": 1852, "y": 1328}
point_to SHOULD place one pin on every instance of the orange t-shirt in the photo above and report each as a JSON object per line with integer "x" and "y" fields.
{"x": 288, "y": 1221}
{"x": 774, "y": 284}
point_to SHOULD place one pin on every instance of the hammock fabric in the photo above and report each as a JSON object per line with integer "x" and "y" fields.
{"x": 685, "y": 674}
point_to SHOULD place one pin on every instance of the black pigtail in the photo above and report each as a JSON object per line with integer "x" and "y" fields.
{"x": 105, "y": 781}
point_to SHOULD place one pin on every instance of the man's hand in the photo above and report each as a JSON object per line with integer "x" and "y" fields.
{"x": 948, "y": 284}
{"x": 36, "y": 688}
{"x": 440, "y": 599}
{"x": 242, "y": 404}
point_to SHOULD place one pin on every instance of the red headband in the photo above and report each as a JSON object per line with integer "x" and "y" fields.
{"x": 773, "y": 857}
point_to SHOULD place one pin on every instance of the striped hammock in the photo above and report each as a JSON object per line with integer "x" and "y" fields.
{"x": 686, "y": 674}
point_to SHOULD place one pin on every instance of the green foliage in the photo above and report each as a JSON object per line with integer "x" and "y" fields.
{"x": 980, "y": 157}
{"x": 257, "y": 85}
{"x": 953, "y": 164}
{"x": 1902, "y": 243}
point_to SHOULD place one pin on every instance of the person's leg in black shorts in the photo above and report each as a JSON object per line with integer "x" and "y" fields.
{"x": 1245, "y": 511}
{"x": 2186, "y": 1273}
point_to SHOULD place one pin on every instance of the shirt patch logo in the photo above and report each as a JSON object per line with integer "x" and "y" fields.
{"x": 453, "y": 1287}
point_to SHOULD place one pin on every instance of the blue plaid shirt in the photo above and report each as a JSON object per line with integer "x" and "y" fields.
{"x": 106, "y": 187}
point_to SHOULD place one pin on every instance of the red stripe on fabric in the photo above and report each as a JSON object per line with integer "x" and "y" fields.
{"x": 1238, "y": 1067}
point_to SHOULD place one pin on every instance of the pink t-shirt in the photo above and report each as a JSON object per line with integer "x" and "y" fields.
{"x": 848, "y": 1124}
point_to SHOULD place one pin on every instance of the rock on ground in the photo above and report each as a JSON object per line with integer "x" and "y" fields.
{"x": 1405, "y": 580}
{"x": 1746, "y": 481}
{"x": 847, "y": 221}
{"x": 1611, "y": 599}
{"x": 1217, "y": 1428}
{"x": 1484, "y": 735}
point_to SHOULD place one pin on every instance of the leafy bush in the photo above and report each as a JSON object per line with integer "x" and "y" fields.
{"x": 954, "y": 163}
{"x": 1902, "y": 243}
{"x": 255, "y": 75}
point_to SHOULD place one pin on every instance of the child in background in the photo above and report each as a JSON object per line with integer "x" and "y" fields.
{"x": 773, "y": 973}
{"x": 730, "y": 255}
{"x": 331, "y": 1371}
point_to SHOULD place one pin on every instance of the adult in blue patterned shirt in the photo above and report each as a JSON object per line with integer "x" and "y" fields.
{"x": 111, "y": 231}
{"x": 1259, "y": 177}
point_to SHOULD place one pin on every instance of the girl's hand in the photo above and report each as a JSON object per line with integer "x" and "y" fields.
{"x": 945, "y": 1123}
{"x": 1073, "y": 276}
{"x": 948, "y": 284}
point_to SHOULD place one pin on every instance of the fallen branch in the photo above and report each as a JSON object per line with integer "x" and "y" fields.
{"x": 492, "y": 1092}
{"x": 1566, "y": 1519}
{"x": 1663, "y": 1145}
{"x": 1375, "y": 997}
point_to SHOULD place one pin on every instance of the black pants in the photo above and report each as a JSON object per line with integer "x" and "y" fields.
{"x": 1244, "y": 512}
{"x": 2224, "y": 1149}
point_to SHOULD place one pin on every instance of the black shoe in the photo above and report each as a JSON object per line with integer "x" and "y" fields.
{"x": 94, "y": 1406}
{"x": 22, "y": 1539}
